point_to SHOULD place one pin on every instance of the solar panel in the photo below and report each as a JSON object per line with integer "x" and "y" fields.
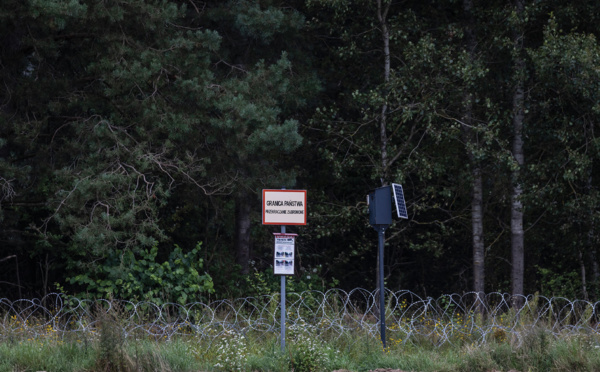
{"x": 399, "y": 200}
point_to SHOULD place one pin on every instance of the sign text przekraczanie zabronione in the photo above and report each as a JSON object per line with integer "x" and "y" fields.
{"x": 284, "y": 207}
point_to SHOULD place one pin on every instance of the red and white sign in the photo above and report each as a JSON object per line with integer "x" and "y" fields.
{"x": 284, "y": 207}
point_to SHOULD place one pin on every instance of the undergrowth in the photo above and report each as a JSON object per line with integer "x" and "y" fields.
{"x": 110, "y": 345}
{"x": 305, "y": 352}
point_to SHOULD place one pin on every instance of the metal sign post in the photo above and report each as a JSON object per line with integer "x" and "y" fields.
{"x": 283, "y": 305}
{"x": 284, "y": 207}
{"x": 381, "y": 234}
{"x": 283, "y": 264}
{"x": 380, "y": 218}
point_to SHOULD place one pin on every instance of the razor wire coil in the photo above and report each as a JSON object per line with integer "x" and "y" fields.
{"x": 471, "y": 317}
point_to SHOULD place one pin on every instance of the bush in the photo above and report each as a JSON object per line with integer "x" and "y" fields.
{"x": 123, "y": 275}
{"x": 307, "y": 352}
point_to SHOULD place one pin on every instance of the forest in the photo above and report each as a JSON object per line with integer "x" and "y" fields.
{"x": 136, "y": 137}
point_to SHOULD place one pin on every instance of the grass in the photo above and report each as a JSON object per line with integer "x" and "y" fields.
{"x": 442, "y": 345}
{"x": 50, "y": 356}
{"x": 539, "y": 353}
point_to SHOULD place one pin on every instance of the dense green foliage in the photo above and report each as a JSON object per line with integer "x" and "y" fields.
{"x": 130, "y": 128}
{"x": 177, "y": 280}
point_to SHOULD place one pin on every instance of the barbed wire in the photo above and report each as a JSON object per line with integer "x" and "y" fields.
{"x": 467, "y": 318}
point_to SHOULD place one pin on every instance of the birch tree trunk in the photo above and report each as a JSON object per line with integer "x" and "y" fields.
{"x": 583, "y": 276}
{"x": 242, "y": 234}
{"x": 471, "y": 142}
{"x": 385, "y": 34}
{"x": 516, "y": 221}
{"x": 382, "y": 11}
{"x": 595, "y": 271}
{"x": 590, "y": 246}
{"x": 477, "y": 226}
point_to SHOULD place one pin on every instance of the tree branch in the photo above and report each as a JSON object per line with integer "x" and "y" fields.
{"x": 8, "y": 258}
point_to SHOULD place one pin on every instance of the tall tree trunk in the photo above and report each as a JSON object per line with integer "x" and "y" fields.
{"x": 583, "y": 276}
{"x": 590, "y": 246}
{"x": 471, "y": 143}
{"x": 477, "y": 226}
{"x": 516, "y": 220}
{"x": 593, "y": 257}
{"x": 242, "y": 233}
{"x": 382, "y": 11}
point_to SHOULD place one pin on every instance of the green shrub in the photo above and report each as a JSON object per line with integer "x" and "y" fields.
{"x": 125, "y": 276}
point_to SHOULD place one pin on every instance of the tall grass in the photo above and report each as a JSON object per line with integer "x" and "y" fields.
{"x": 456, "y": 341}
{"x": 539, "y": 351}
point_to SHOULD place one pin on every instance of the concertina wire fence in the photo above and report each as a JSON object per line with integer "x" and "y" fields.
{"x": 335, "y": 313}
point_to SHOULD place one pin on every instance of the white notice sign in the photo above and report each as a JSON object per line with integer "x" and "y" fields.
{"x": 284, "y": 207}
{"x": 284, "y": 254}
